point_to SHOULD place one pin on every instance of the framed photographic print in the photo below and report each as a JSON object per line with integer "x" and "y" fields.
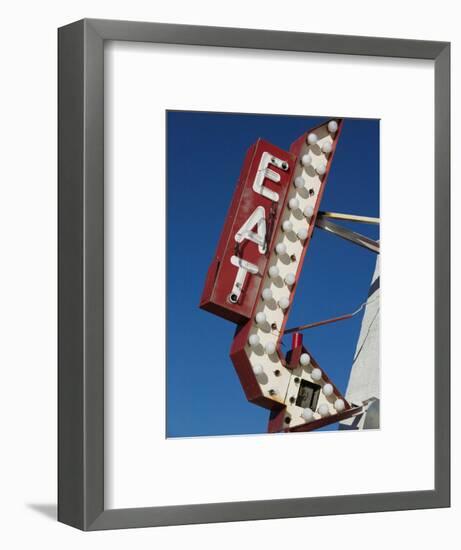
{"x": 232, "y": 346}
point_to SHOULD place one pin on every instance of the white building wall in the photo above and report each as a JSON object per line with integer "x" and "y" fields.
{"x": 364, "y": 379}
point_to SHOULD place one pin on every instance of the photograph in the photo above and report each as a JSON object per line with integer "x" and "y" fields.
{"x": 227, "y": 277}
{"x": 273, "y": 273}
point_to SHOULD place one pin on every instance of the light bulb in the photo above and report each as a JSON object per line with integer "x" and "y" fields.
{"x": 253, "y": 340}
{"x": 326, "y": 148}
{"x": 293, "y": 203}
{"x": 284, "y": 302}
{"x": 308, "y": 211}
{"x": 312, "y": 139}
{"x": 290, "y": 279}
{"x": 307, "y": 414}
{"x": 281, "y": 249}
{"x": 332, "y": 126}
{"x": 270, "y": 348}
{"x": 323, "y": 410}
{"x": 260, "y": 318}
{"x": 302, "y": 234}
{"x": 339, "y": 405}
{"x": 306, "y": 160}
{"x": 258, "y": 369}
{"x": 273, "y": 271}
{"x": 287, "y": 226}
{"x": 267, "y": 294}
{"x": 305, "y": 359}
{"x": 316, "y": 375}
{"x": 321, "y": 169}
{"x": 328, "y": 389}
{"x": 299, "y": 182}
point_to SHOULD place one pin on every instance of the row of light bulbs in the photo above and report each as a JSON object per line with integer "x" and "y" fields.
{"x": 316, "y": 374}
{"x": 274, "y": 272}
{"x": 326, "y": 148}
{"x": 293, "y": 205}
{"x": 267, "y": 293}
{"x": 287, "y": 225}
{"x": 281, "y": 249}
{"x": 290, "y": 278}
{"x": 306, "y": 161}
{"x": 312, "y": 138}
{"x": 323, "y": 410}
{"x": 255, "y": 341}
{"x": 327, "y": 389}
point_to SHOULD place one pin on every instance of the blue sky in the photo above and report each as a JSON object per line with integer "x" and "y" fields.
{"x": 205, "y": 152}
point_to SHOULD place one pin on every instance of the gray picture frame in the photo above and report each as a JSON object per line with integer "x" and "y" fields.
{"x": 81, "y": 274}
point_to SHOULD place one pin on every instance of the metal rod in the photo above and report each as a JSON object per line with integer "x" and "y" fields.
{"x": 320, "y": 323}
{"x": 331, "y": 319}
{"x": 349, "y": 217}
{"x": 348, "y": 235}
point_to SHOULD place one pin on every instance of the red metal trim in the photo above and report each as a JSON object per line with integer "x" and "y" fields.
{"x": 245, "y": 372}
{"x": 292, "y": 357}
{"x": 297, "y": 340}
{"x": 277, "y": 420}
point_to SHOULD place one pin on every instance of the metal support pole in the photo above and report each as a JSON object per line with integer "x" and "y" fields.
{"x": 347, "y": 234}
{"x": 349, "y": 217}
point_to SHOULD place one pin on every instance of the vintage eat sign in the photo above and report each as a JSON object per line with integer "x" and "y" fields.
{"x": 252, "y": 278}
{"x": 234, "y": 277}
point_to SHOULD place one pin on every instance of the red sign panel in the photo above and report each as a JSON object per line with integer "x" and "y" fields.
{"x": 235, "y": 274}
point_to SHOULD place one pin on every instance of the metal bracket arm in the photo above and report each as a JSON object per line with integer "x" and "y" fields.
{"x": 349, "y": 217}
{"x": 347, "y": 234}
